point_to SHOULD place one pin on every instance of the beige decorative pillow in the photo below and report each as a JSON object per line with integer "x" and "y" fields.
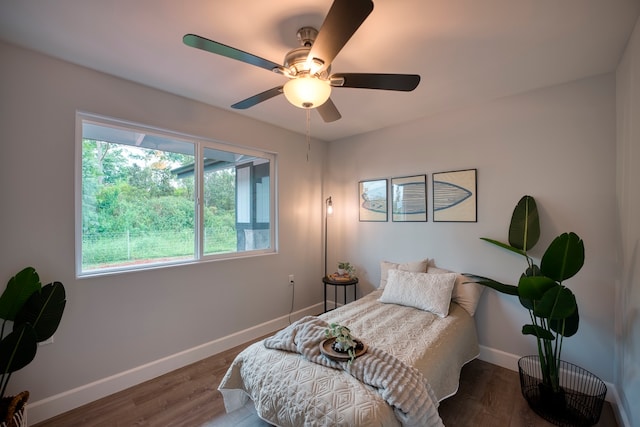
{"x": 416, "y": 266}
{"x": 467, "y": 295}
{"x": 428, "y": 292}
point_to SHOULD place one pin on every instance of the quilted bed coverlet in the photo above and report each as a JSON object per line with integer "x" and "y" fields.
{"x": 402, "y": 386}
{"x": 290, "y": 390}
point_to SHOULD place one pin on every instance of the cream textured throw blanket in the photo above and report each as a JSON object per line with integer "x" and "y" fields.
{"x": 401, "y": 385}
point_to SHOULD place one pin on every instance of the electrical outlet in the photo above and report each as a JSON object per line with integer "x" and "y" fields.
{"x": 46, "y": 342}
{"x": 291, "y": 279}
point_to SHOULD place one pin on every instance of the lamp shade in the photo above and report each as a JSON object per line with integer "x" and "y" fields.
{"x": 307, "y": 91}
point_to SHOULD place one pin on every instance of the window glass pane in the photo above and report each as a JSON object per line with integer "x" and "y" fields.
{"x": 244, "y": 195}
{"x": 219, "y": 202}
{"x": 235, "y": 186}
{"x": 150, "y": 197}
{"x": 134, "y": 209}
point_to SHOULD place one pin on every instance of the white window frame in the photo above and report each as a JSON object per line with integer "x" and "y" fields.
{"x": 200, "y": 143}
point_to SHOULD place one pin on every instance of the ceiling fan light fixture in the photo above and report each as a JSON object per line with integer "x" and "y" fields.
{"x": 308, "y": 67}
{"x": 307, "y": 91}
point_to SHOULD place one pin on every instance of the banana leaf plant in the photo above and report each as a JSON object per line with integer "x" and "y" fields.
{"x": 551, "y": 305}
{"x": 30, "y": 314}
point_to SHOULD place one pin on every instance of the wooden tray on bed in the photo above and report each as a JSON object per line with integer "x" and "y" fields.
{"x": 327, "y": 350}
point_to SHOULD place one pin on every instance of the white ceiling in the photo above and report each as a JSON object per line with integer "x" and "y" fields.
{"x": 467, "y": 51}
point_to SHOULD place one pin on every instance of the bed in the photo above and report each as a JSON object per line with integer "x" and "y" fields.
{"x": 291, "y": 389}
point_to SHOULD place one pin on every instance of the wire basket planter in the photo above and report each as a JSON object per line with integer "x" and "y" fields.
{"x": 15, "y": 410}
{"x": 19, "y": 419}
{"x": 579, "y": 402}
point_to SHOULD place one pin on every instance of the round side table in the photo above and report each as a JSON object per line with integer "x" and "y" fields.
{"x": 335, "y": 283}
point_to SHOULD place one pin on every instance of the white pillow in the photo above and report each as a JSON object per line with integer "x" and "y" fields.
{"x": 467, "y": 295}
{"x": 428, "y": 292}
{"x": 385, "y": 266}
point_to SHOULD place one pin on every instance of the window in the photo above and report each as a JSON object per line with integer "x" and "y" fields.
{"x": 149, "y": 197}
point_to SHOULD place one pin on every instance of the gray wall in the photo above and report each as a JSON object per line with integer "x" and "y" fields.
{"x": 557, "y": 144}
{"x": 628, "y": 312}
{"x": 120, "y": 322}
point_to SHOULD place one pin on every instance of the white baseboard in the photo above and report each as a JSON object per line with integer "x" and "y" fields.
{"x": 499, "y": 358}
{"x": 55, "y": 405}
{"x": 510, "y": 361}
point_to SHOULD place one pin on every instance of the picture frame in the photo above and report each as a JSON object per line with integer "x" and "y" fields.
{"x": 372, "y": 200}
{"x": 455, "y": 196}
{"x": 409, "y": 199}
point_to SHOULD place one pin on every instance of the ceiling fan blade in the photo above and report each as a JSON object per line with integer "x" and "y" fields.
{"x": 329, "y": 112}
{"x": 342, "y": 21}
{"x": 256, "y": 99}
{"x": 228, "y": 51}
{"x": 403, "y": 82}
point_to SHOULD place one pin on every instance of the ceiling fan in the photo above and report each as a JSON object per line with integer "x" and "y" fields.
{"x": 309, "y": 67}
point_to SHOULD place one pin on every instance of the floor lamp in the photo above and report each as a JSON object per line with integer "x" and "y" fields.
{"x": 328, "y": 204}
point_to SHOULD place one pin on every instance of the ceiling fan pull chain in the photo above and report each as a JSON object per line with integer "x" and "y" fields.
{"x": 308, "y": 132}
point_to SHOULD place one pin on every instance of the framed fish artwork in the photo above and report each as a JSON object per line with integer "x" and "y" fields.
{"x": 454, "y": 196}
{"x": 409, "y": 199}
{"x": 373, "y": 200}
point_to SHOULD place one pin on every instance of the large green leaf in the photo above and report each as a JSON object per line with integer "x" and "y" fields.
{"x": 534, "y": 270}
{"x": 524, "y": 230}
{"x": 504, "y": 246}
{"x": 18, "y": 291}
{"x": 563, "y": 258}
{"x": 18, "y": 349}
{"x": 537, "y": 331}
{"x": 500, "y": 287}
{"x": 44, "y": 310}
{"x": 557, "y": 303}
{"x": 529, "y": 272}
{"x": 571, "y": 324}
{"x": 534, "y": 287}
{"x": 527, "y": 303}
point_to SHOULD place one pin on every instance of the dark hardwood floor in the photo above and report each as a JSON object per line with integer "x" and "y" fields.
{"x": 489, "y": 396}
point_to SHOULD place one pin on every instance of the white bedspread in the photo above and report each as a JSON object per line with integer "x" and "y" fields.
{"x": 401, "y": 385}
{"x": 289, "y": 390}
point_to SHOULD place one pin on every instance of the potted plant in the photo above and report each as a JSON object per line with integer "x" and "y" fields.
{"x": 552, "y": 306}
{"x": 344, "y": 342}
{"x": 345, "y": 269}
{"x": 30, "y": 314}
